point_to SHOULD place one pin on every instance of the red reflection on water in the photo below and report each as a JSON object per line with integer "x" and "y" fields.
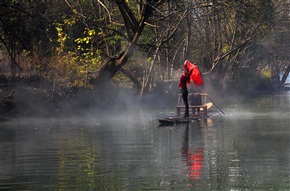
{"x": 195, "y": 162}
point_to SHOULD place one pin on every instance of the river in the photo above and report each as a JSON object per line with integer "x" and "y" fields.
{"x": 248, "y": 148}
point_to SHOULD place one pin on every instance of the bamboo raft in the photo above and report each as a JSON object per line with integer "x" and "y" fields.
{"x": 196, "y": 113}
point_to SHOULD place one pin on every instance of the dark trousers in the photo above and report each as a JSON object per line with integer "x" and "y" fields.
{"x": 185, "y": 100}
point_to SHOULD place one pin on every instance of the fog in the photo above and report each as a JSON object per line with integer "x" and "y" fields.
{"x": 113, "y": 103}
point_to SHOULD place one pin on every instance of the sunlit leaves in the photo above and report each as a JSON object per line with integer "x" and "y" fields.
{"x": 70, "y": 21}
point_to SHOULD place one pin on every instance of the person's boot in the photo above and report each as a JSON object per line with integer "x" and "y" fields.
{"x": 186, "y": 114}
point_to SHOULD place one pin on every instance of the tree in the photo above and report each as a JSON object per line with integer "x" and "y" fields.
{"x": 146, "y": 40}
{"x": 26, "y": 27}
{"x": 134, "y": 25}
{"x": 127, "y": 21}
{"x": 226, "y": 32}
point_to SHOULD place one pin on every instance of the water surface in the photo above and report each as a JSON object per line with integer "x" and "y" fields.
{"x": 246, "y": 149}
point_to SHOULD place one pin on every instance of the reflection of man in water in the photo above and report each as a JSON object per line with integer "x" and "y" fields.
{"x": 194, "y": 161}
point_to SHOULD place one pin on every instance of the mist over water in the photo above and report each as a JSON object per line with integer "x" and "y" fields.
{"x": 124, "y": 148}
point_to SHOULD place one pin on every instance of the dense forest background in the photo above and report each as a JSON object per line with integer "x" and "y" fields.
{"x": 238, "y": 45}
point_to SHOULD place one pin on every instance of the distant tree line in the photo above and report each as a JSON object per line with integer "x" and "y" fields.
{"x": 235, "y": 43}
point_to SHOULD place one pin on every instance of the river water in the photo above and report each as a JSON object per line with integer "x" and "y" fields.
{"x": 248, "y": 148}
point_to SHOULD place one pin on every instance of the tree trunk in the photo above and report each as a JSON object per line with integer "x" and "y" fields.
{"x": 134, "y": 30}
{"x": 133, "y": 79}
{"x": 112, "y": 65}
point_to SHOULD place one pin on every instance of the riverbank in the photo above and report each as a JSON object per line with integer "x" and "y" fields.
{"x": 40, "y": 98}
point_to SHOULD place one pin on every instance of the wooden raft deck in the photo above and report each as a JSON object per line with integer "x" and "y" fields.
{"x": 196, "y": 112}
{"x": 179, "y": 120}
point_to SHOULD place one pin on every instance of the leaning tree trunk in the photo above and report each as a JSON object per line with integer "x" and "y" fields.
{"x": 112, "y": 65}
{"x": 134, "y": 29}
